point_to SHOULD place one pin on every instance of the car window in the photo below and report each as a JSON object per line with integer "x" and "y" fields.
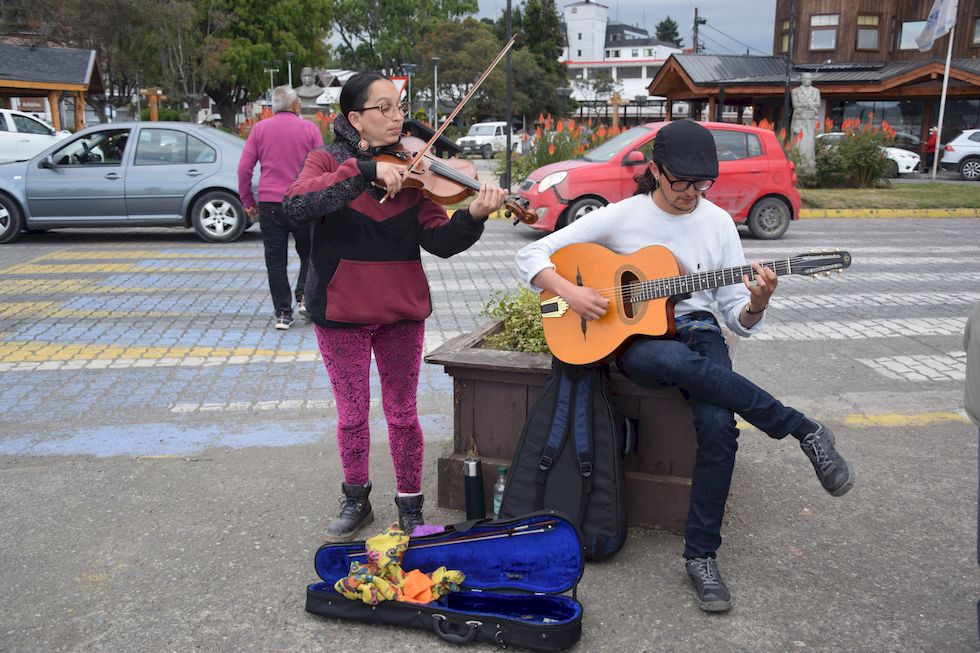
{"x": 3, "y": 123}
{"x": 733, "y": 145}
{"x": 480, "y": 130}
{"x": 200, "y": 152}
{"x": 99, "y": 148}
{"x": 157, "y": 146}
{"x": 610, "y": 148}
{"x": 975, "y": 136}
{"x": 646, "y": 150}
{"x": 27, "y": 125}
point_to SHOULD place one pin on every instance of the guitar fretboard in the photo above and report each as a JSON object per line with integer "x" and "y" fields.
{"x": 687, "y": 283}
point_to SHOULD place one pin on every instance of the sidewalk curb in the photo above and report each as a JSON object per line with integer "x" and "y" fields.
{"x": 889, "y": 213}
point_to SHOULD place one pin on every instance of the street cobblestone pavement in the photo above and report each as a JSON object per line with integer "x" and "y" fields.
{"x": 121, "y": 351}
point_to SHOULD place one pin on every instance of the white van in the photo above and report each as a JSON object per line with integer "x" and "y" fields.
{"x": 485, "y": 139}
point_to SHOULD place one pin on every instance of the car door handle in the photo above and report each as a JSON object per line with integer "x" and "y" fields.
{"x": 193, "y": 173}
{"x": 112, "y": 175}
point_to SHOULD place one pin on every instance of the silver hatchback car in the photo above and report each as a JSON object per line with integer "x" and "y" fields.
{"x": 142, "y": 174}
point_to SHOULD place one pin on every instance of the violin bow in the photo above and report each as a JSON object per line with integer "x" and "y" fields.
{"x": 448, "y": 121}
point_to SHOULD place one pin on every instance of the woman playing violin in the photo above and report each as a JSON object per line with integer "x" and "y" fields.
{"x": 367, "y": 291}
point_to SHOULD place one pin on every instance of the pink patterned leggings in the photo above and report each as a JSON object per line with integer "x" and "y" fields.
{"x": 397, "y": 349}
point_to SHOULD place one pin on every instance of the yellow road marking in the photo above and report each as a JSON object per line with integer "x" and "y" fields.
{"x": 109, "y": 254}
{"x": 894, "y": 420}
{"x": 33, "y": 351}
{"x": 89, "y": 268}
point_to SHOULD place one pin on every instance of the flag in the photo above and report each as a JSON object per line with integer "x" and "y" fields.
{"x": 940, "y": 21}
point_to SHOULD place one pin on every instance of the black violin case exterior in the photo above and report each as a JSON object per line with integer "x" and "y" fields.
{"x": 516, "y": 573}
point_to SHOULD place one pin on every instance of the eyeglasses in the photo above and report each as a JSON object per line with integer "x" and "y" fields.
{"x": 681, "y": 185}
{"x": 389, "y": 110}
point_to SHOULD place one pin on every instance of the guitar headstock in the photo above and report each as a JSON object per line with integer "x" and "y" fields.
{"x": 813, "y": 263}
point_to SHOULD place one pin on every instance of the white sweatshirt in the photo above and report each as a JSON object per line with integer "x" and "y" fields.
{"x": 703, "y": 240}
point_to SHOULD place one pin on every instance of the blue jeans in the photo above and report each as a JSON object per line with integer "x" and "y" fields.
{"x": 697, "y": 362}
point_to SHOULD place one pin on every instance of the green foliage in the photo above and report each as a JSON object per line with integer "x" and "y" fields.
{"x": 667, "y": 31}
{"x": 163, "y": 113}
{"x": 855, "y": 161}
{"x": 568, "y": 140}
{"x": 520, "y": 311}
{"x": 383, "y": 35}
{"x": 543, "y": 36}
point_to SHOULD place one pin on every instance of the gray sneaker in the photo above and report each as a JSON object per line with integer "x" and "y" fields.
{"x": 712, "y": 593}
{"x": 832, "y": 470}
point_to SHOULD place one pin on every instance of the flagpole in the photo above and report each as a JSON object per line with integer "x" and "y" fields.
{"x": 942, "y": 103}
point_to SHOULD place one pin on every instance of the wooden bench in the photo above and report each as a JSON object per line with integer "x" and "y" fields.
{"x": 494, "y": 390}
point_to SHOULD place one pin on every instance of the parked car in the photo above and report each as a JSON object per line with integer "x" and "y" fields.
{"x": 962, "y": 154}
{"x": 485, "y": 139}
{"x": 129, "y": 175}
{"x": 23, "y": 135}
{"x": 756, "y": 180}
{"x": 900, "y": 161}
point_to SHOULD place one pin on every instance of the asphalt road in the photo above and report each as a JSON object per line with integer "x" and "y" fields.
{"x": 167, "y": 458}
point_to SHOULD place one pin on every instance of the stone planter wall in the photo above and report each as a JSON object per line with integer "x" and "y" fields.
{"x": 494, "y": 390}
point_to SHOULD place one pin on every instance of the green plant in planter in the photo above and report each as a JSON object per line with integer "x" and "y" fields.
{"x": 520, "y": 311}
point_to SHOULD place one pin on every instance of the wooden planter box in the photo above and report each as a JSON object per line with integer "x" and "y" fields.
{"x": 494, "y": 390}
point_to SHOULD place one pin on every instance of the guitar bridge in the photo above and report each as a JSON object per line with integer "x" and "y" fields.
{"x": 554, "y": 307}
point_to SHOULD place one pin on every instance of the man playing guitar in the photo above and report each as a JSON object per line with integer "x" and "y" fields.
{"x": 668, "y": 209}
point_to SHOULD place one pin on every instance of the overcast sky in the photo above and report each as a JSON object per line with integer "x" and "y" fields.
{"x": 732, "y": 26}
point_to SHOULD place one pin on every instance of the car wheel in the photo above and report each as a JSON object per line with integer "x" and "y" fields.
{"x": 487, "y": 151}
{"x": 769, "y": 218}
{"x": 218, "y": 217}
{"x": 11, "y": 220}
{"x": 970, "y": 169}
{"x": 581, "y": 207}
{"x": 891, "y": 169}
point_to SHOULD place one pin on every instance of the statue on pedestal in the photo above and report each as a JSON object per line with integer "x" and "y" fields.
{"x": 806, "y": 108}
{"x": 308, "y": 92}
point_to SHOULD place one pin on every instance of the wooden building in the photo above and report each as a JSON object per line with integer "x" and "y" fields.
{"x": 863, "y": 59}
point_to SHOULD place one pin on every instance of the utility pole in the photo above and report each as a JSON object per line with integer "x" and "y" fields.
{"x": 789, "y": 65}
{"x": 697, "y": 23}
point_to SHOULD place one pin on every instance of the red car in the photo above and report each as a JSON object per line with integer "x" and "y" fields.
{"x": 756, "y": 181}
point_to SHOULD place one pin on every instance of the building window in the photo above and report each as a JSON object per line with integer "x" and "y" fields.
{"x": 648, "y": 52}
{"x": 629, "y": 72}
{"x": 910, "y": 30}
{"x": 579, "y": 53}
{"x": 580, "y": 36}
{"x": 784, "y": 38}
{"x": 615, "y": 54}
{"x": 823, "y": 31}
{"x": 607, "y": 53}
{"x": 867, "y": 32}
{"x": 976, "y": 31}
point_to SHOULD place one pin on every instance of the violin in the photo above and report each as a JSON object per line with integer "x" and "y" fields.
{"x": 446, "y": 181}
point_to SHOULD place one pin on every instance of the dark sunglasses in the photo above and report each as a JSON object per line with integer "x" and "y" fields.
{"x": 681, "y": 185}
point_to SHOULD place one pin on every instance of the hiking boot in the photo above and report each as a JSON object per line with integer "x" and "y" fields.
{"x": 410, "y": 512}
{"x": 832, "y": 470}
{"x": 712, "y": 593}
{"x": 283, "y": 320}
{"x": 355, "y": 513}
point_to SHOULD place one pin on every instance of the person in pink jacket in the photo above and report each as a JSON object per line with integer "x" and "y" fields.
{"x": 279, "y": 145}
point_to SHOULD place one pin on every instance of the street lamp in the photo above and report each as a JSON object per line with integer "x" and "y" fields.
{"x": 289, "y": 64}
{"x": 270, "y": 67}
{"x": 435, "y": 91}
{"x": 410, "y": 69}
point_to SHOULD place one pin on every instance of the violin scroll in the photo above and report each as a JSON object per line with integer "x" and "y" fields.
{"x": 517, "y": 208}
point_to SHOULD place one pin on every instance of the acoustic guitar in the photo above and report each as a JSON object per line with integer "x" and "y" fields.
{"x": 642, "y": 288}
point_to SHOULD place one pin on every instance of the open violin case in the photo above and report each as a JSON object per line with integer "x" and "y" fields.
{"x": 516, "y": 572}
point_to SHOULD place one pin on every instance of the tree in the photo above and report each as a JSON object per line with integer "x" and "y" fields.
{"x": 667, "y": 32}
{"x": 596, "y": 91}
{"x": 543, "y": 35}
{"x": 253, "y": 34}
{"x": 123, "y": 48}
{"x": 383, "y": 35}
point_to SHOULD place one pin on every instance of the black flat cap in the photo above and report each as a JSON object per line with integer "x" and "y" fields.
{"x": 687, "y": 150}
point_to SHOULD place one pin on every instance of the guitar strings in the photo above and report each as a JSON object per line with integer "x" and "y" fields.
{"x": 639, "y": 285}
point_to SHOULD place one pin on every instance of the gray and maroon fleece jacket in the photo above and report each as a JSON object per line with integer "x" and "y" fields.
{"x": 365, "y": 264}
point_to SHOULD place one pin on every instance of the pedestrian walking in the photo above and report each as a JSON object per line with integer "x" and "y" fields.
{"x": 279, "y": 145}
{"x": 367, "y": 290}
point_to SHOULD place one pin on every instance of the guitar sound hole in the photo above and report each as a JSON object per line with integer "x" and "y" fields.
{"x": 626, "y": 282}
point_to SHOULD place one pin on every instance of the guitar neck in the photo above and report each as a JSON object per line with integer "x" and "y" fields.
{"x": 688, "y": 283}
